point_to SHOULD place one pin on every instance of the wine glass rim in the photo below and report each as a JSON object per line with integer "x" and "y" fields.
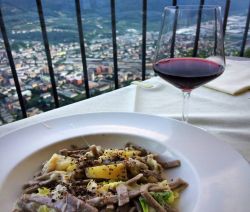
{"x": 193, "y": 7}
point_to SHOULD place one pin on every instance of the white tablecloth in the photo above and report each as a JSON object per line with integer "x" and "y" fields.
{"x": 225, "y": 116}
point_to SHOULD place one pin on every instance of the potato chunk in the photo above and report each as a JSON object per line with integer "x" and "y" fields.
{"x": 110, "y": 172}
{"x": 59, "y": 163}
{"x": 118, "y": 153}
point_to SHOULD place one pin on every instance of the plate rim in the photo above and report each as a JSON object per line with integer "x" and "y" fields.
{"x": 138, "y": 115}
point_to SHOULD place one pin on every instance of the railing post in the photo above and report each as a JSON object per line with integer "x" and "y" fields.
{"x": 226, "y": 12}
{"x": 197, "y": 35}
{"x": 244, "y": 40}
{"x": 113, "y": 22}
{"x": 82, "y": 46}
{"x": 144, "y": 37}
{"x": 172, "y": 47}
{"x": 174, "y": 2}
{"x": 215, "y": 32}
{"x": 47, "y": 51}
{"x": 12, "y": 65}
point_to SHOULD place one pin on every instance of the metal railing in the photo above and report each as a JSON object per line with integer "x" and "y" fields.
{"x": 47, "y": 51}
{"x": 114, "y": 43}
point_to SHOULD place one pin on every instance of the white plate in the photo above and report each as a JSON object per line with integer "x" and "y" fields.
{"x": 219, "y": 177}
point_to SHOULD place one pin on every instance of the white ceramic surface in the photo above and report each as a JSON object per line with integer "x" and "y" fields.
{"x": 219, "y": 177}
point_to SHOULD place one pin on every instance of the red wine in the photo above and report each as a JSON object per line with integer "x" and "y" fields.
{"x": 188, "y": 73}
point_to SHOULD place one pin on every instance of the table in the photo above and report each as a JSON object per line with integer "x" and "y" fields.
{"x": 223, "y": 115}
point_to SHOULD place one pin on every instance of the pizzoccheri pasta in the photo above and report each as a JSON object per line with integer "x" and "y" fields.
{"x": 93, "y": 178}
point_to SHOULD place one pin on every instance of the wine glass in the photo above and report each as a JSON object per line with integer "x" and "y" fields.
{"x": 190, "y": 48}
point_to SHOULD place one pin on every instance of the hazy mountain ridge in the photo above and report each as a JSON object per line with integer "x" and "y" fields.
{"x": 22, "y": 15}
{"x": 104, "y": 5}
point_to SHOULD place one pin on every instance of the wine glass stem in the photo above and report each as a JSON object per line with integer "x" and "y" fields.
{"x": 185, "y": 106}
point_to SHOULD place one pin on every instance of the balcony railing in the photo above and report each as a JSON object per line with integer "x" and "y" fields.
{"x": 82, "y": 45}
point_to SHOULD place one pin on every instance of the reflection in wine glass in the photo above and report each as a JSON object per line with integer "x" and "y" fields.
{"x": 190, "y": 49}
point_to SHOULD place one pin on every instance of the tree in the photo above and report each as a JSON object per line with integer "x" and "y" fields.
{"x": 247, "y": 52}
